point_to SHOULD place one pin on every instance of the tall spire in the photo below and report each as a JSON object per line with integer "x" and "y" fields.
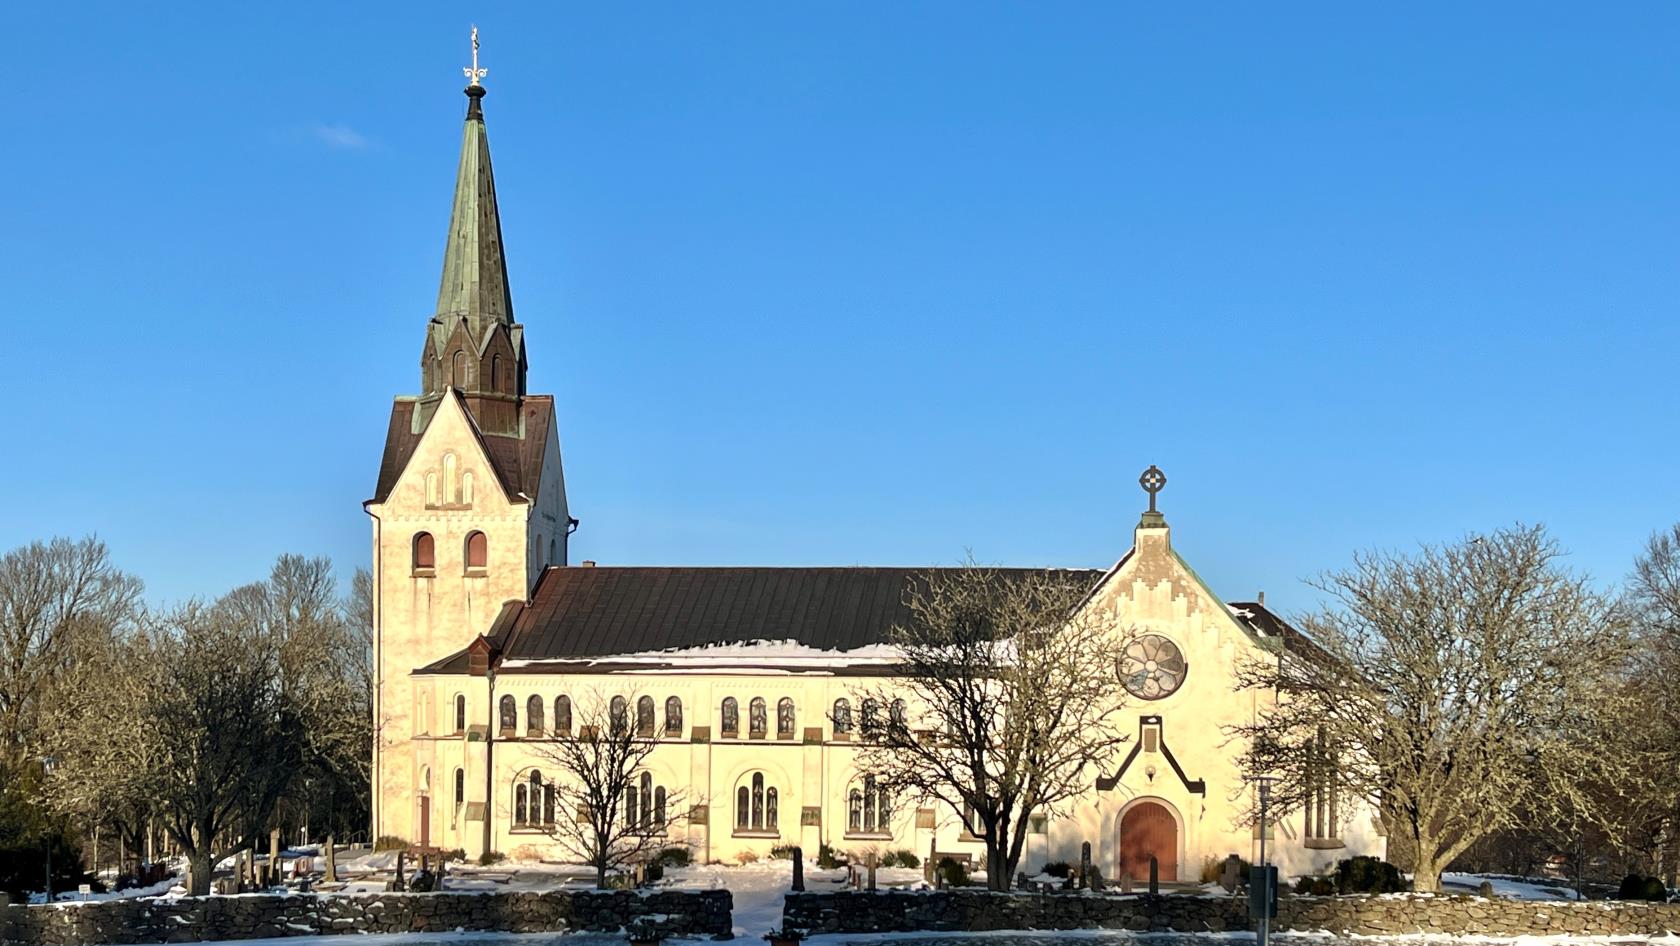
{"x": 473, "y": 345}
{"x": 475, "y": 283}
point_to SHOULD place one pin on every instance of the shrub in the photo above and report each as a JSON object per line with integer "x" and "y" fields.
{"x": 745, "y": 857}
{"x": 674, "y": 857}
{"x": 390, "y": 842}
{"x": 1636, "y": 887}
{"x": 459, "y": 854}
{"x": 1060, "y": 869}
{"x": 781, "y": 852}
{"x": 952, "y": 872}
{"x": 1213, "y": 870}
{"x": 829, "y": 859}
{"x": 1366, "y": 874}
{"x": 491, "y": 857}
{"x": 1315, "y": 887}
{"x": 901, "y": 858}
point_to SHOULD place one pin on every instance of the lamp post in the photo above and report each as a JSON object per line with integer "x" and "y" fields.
{"x": 48, "y": 763}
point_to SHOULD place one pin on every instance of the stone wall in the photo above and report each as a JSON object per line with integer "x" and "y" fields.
{"x": 891, "y": 911}
{"x": 192, "y": 919}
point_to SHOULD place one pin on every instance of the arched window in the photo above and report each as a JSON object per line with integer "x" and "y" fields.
{"x": 868, "y": 809}
{"x": 743, "y": 808}
{"x": 758, "y": 799}
{"x": 757, "y": 719}
{"x": 770, "y": 809}
{"x": 562, "y": 716}
{"x": 431, "y": 489}
{"x": 458, "y": 372}
{"x": 521, "y": 804}
{"x": 756, "y": 804}
{"x": 784, "y": 716}
{"x": 842, "y": 716}
{"x": 534, "y": 717}
{"x": 659, "y": 806}
{"x": 618, "y": 715}
{"x": 731, "y": 716}
{"x": 425, "y": 554}
{"x": 1322, "y": 817}
{"x": 467, "y": 487}
{"x": 871, "y": 718}
{"x": 509, "y": 715}
{"x": 460, "y": 789}
{"x": 495, "y": 372}
{"x": 451, "y": 483}
{"x": 533, "y": 801}
{"x": 673, "y": 716}
{"x": 647, "y": 800}
{"x": 895, "y": 714}
{"x": 478, "y": 550}
{"x": 644, "y": 716}
{"x": 854, "y": 810}
{"x": 460, "y": 712}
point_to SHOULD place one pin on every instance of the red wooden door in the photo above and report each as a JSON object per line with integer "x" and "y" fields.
{"x": 425, "y": 821}
{"x": 1148, "y": 830}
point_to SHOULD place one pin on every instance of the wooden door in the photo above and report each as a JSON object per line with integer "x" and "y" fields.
{"x": 1148, "y": 830}
{"x": 425, "y": 821}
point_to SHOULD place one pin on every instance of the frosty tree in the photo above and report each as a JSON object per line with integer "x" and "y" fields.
{"x": 1458, "y": 690}
{"x": 1003, "y": 703}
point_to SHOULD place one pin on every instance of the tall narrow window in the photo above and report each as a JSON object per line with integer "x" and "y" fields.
{"x": 425, "y": 554}
{"x": 784, "y": 716}
{"x": 460, "y": 713}
{"x": 731, "y": 716}
{"x": 478, "y": 550}
{"x": 743, "y": 808}
{"x": 757, "y": 716}
{"x": 854, "y": 810}
{"x": 496, "y": 372}
{"x": 508, "y": 711}
{"x": 618, "y": 715}
{"x": 644, "y": 716}
{"x": 467, "y": 487}
{"x": 431, "y": 489}
{"x": 673, "y": 716}
{"x": 770, "y": 809}
{"x": 758, "y": 800}
{"x": 895, "y": 715}
{"x": 460, "y": 788}
{"x": 659, "y": 806}
{"x": 562, "y": 716}
{"x": 842, "y": 716}
{"x": 534, "y": 717}
{"x": 871, "y": 718}
{"x": 647, "y": 800}
{"x": 458, "y": 371}
{"x": 451, "y": 481}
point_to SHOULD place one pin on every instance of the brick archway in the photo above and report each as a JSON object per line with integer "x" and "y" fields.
{"x": 1148, "y": 829}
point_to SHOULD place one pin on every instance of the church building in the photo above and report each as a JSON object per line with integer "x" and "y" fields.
{"x": 487, "y": 638}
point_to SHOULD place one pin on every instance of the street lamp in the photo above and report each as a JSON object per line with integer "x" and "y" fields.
{"x": 48, "y": 763}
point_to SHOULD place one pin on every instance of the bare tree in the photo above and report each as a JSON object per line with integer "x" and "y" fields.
{"x": 605, "y": 809}
{"x": 1652, "y": 824}
{"x": 1003, "y": 704}
{"x": 53, "y": 595}
{"x": 1459, "y": 690}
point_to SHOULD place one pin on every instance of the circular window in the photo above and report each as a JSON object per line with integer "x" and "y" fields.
{"x": 1152, "y": 667}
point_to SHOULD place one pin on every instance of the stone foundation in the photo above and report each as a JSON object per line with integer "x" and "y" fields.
{"x": 961, "y": 911}
{"x": 192, "y": 919}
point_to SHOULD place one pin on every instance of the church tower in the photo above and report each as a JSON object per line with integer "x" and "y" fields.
{"x": 470, "y": 502}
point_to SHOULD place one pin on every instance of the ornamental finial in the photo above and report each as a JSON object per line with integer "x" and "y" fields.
{"x": 1152, "y": 481}
{"x": 473, "y": 72}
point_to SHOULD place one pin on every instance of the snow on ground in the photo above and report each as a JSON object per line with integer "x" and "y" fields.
{"x": 1509, "y": 887}
{"x": 758, "y": 889}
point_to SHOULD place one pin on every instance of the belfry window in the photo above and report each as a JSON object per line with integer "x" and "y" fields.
{"x": 477, "y": 551}
{"x": 458, "y": 374}
{"x": 731, "y": 716}
{"x": 460, "y": 713}
{"x": 618, "y": 716}
{"x": 562, "y": 716}
{"x": 425, "y": 552}
{"x": 842, "y": 716}
{"x": 508, "y": 713}
{"x": 758, "y": 719}
{"x": 644, "y": 716}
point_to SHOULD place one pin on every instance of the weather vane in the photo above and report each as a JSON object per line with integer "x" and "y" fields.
{"x": 1152, "y": 481}
{"x": 473, "y": 72}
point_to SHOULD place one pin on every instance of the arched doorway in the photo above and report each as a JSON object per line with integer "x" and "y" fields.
{"x": 1148, "y": 829}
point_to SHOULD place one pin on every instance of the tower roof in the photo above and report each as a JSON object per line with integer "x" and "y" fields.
{"x": 475, "y": 283}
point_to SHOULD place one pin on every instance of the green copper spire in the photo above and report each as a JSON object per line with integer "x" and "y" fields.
{"x": 475, "y": 283}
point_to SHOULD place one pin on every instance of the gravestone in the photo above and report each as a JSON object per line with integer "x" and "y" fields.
{"x": 869, "y": 862}
{"x": 331, "y": 877}
{"x": 273, "y": 857}
{"x": 1486, "y": 889}
{"x": 1230, "y": 875}
{"x": 798, "y": 869}
{"x": 1154, "y": 875}
{"x": 400, "y": 883}
{"x": 1085, "y": 864}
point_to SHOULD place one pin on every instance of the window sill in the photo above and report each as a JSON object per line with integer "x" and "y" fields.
{"x": 750, "y": 833}
{"x": 785, "y": 736}
{"x": 476, "y": 573}
{"x": 867, "y": 836}
{"x": 424, "y": 573}
{"x": 1323, "y": 844}
{"x": 540, "y": 830}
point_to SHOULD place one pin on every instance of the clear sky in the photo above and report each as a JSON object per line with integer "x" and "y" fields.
{"x": 847, "y": 283}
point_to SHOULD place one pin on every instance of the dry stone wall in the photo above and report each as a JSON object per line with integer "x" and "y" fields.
{"x": 194, "y": 919}
{"x": 961, "y": 911}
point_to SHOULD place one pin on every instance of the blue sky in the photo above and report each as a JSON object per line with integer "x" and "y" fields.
{"x": 843, "y": 283}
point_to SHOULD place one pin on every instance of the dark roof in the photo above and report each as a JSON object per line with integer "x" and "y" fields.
{"x": 1266, "y": 622}
{"x": 517, "y": 461}
{"x": 592, "y": 612}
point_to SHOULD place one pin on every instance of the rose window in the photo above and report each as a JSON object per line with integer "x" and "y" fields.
{"x": 1152, "y": 667}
